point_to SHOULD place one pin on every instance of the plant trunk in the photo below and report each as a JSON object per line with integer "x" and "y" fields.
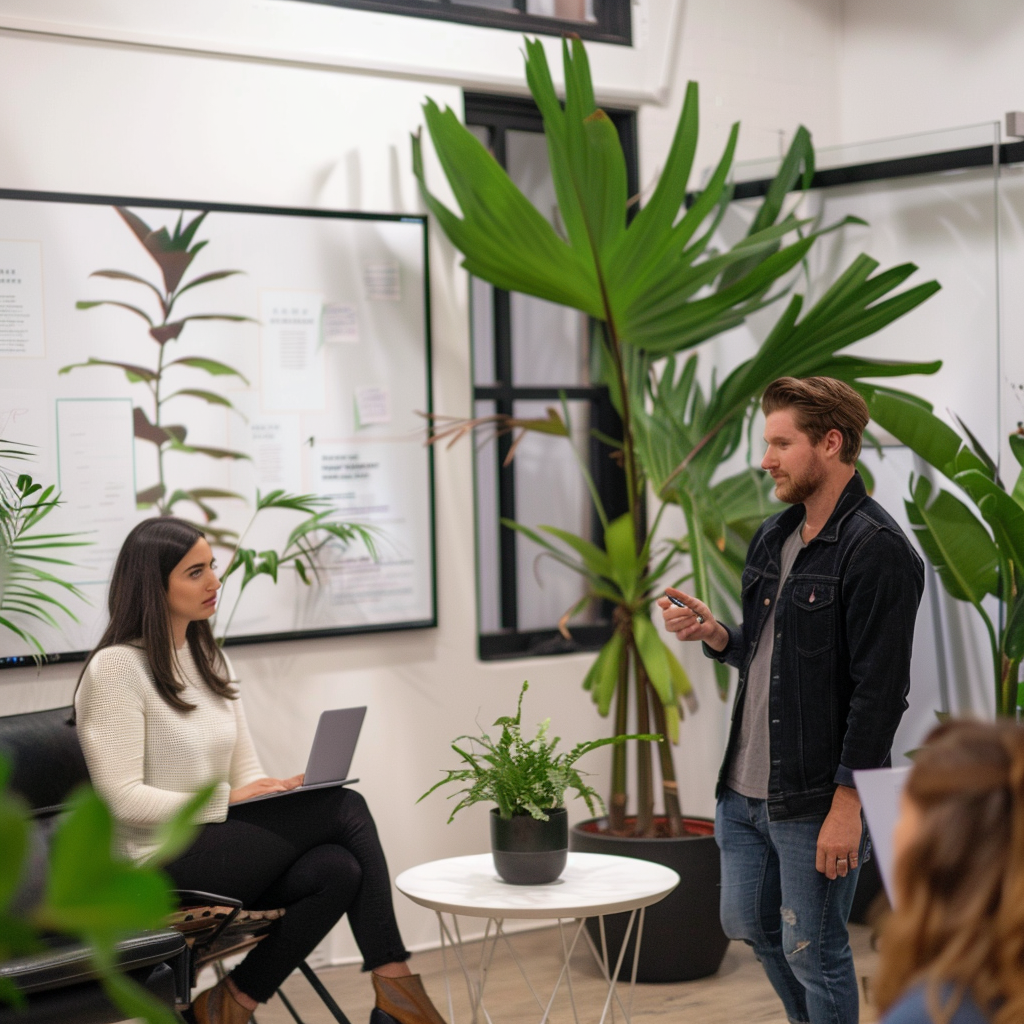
{"x": 617, "y": 803}
{"x": 644, "y": 761}
{"x": 1008, "y": 701}
{"x": 634, "y": 486}
{"x": 669, "y": 786}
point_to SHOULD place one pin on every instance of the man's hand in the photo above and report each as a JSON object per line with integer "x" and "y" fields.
{"x": 261, "y": 786}
{"x": 839, "y": 838}
{"x": 684, "y": 621}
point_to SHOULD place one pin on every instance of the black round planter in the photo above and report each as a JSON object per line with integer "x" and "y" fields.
{"x": 528, "y": 851}
{"x": 682, "y": 938}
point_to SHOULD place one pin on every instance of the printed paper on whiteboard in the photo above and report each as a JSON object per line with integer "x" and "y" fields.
{"x": 879, "y": 790}
{"x": 340, "y": 324}
{"x": 383, "y": 282}
{"x": 96, "y": 463}
{"x": 373, "y": 405}
{"x": 21, "y": 299}
{"x": 275, "y": 444}
{"x": 292, "y": 378}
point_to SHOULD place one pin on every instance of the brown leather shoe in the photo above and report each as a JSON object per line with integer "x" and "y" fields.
{"x": 218, "y": 1006}
{"x": 404, "y": 1000}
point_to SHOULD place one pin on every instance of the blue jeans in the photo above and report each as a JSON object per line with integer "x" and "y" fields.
{"x": 775, "y": 900}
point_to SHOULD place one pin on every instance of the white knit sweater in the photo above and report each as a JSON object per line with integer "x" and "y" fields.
{"x": 146, "y": 758}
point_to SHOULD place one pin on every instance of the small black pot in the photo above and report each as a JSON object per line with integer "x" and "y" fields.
{"x": 528, "y": 851}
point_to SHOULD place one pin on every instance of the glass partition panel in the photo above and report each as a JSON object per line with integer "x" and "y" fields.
{"x": 548, "y": 340}
{"x": 948, "y": 224}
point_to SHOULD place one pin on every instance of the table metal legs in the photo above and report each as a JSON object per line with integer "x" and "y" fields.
{"x": 476, "y": 977}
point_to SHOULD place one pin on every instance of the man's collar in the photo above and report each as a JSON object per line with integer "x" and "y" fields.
{"x": 853, "y": 494}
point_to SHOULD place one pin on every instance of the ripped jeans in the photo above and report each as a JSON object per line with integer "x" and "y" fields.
{"x": 775, "y": 900}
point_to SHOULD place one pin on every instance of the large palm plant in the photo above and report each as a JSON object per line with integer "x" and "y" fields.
{"x": 658, "y": 288}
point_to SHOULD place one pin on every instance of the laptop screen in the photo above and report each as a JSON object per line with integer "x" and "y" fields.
{"x": 334, "y": 745}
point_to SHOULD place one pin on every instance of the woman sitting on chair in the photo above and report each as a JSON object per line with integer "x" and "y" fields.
{"x": 953, "y": 950}
{"x": 159, "y": 716}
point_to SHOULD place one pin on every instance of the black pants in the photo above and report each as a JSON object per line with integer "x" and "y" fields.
{"x": 316, "y": 854}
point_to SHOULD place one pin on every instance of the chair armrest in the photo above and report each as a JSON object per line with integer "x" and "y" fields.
{"x": 196, "y": 898}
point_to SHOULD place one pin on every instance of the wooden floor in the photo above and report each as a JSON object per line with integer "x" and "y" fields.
{"x": 738, "y": 994}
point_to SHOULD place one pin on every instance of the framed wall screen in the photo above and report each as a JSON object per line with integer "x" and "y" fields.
{"x": 295, "y": 358}
{"x": 605, "y": 21}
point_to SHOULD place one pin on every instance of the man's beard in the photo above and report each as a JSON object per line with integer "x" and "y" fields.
{"x": 795, "y": 490}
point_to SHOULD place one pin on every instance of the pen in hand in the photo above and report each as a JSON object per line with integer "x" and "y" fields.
{"x": 683, "y": 604}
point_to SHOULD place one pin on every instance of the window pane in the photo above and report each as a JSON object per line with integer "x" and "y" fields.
{"x": 550, "y": 491}
{"x": 548, "y": 340}
{"x": 481, "y": 299}
{"x": 483, "y": 133}
{"x": 488, "y": 561}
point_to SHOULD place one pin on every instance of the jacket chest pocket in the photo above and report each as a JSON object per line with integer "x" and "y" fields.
{"x": 813, "y": 611}
{"x": 750, "y": 578}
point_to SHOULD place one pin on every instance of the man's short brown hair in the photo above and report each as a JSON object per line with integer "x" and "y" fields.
{"x": 821, "y": 404}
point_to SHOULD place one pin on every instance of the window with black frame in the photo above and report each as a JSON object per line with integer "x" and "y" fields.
{"x": 527, "y": 355}
{"x": 606, "y": 21}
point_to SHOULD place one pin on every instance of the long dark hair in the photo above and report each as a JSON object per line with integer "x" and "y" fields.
{"x": 138, "y": 609}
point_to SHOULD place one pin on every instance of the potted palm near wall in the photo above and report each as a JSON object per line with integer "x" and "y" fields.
{"x": 657, "y": 289}
{"x": 975, "y": 545}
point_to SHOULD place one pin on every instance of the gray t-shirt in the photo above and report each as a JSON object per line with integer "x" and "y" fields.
{"x": 748, "y": 770}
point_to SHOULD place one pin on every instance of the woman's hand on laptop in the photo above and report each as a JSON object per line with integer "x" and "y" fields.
{"x": 262, "y": 786}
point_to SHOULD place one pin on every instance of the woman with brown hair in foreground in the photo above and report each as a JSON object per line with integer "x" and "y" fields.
{"x": 953, "y": 950}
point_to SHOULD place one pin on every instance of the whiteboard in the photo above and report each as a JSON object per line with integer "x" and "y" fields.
{"x": 305, "y": 370}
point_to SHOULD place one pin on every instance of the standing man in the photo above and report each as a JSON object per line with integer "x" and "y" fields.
{"x": 830, "y": 593}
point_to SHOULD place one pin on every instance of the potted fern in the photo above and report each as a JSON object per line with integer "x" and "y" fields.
{"x": 527, "y": 781}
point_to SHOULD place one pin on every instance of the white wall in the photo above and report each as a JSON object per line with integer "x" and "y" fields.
{"x": 317, "y": 35}
{"x": 922, "y": 65}
{"x": 123, "y": 120}
{"x": 770, "y": 65}
{"x": 261, "y": 101}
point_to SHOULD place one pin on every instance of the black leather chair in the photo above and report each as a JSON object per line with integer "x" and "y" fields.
{"x": 47, "y": 764}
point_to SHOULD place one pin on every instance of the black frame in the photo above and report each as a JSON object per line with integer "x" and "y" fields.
{"x": 499, "y": 114}
{"x": 16, "y": 661}
{"x": 902, "y": 167}
{"x": 613, "y": 17}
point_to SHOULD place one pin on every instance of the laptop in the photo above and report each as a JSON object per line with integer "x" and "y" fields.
{"x": 330, "y": 757}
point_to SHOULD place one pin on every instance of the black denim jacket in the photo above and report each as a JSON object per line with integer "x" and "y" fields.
{"x": 840, "y": 670}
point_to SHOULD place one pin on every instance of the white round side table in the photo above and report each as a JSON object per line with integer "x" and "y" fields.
{"x": 592, "y": 885}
